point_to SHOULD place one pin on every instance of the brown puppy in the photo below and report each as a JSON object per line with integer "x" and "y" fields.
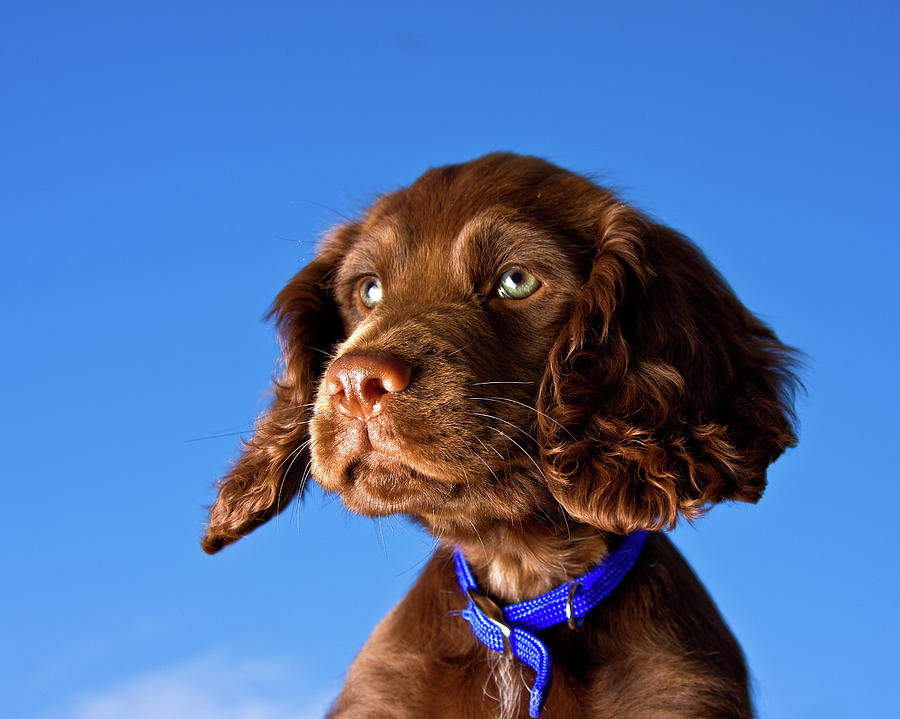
{"x": 530, "y": 369}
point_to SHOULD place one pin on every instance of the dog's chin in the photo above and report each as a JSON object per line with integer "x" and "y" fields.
{"x": 375, "y": 484}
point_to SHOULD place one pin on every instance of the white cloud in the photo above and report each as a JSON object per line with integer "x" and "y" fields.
{"x": 208, "y": 687}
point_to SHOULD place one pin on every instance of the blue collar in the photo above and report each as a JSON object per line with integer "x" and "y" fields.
{"x": 512, "y": 629}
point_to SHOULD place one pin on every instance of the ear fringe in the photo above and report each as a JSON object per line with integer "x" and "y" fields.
{"x": 677, "y": 396}
{"x": 270, "y": 472}
{"x": 274, "y": 465}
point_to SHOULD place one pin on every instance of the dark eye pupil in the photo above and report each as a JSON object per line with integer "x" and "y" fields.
{"x": 516, "y": 278}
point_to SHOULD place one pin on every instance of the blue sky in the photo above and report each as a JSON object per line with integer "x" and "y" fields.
{"x": 167, "y": 166}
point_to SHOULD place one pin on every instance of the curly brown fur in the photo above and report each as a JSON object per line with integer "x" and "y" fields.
{"x": 629, "y": 388}
{"x": 680, "y": 397}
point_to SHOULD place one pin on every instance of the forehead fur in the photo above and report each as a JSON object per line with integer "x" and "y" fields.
{"x": 442, "y": 200}
{"x": 470, "y": 220}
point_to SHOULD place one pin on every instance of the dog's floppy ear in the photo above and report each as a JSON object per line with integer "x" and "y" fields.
{"x": 663, "y": 393}
{"x": 272, "y": 467}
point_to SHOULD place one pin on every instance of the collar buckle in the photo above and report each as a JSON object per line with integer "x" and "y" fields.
{"x": 494, "y": 615}
{"x": 573, "y": 621}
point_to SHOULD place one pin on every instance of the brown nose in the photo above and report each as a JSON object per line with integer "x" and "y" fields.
{"x": 360, "y": 382}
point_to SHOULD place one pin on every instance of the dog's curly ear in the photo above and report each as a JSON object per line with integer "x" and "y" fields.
{"x": 272, "y": 467}
{"x": 663, "y": 393}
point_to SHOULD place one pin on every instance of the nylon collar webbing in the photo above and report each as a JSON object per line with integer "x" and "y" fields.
{"x": 512, "y": 628}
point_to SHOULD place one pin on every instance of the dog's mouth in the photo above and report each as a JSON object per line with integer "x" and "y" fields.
{"x": 377, "y": 484}
{"x": 384, "y": 465}
{"x": 422, "y": 464}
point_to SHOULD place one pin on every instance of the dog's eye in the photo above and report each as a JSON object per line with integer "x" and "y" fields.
{"x": 370, "y": 291}
{"x": 517, "y": 284}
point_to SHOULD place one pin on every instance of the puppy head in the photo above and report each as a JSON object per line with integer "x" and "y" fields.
{"x": 508, "y": 341}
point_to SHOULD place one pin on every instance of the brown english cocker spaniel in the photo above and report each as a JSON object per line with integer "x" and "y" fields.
{"x": 544, "y": 379}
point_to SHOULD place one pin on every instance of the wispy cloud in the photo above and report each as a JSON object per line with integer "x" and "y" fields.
{"x": 213, "y": 686}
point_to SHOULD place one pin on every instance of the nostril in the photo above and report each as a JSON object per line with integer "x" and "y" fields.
{"x": 371, "y": 391}
{"x": 359, "y": 382}
{"x": 373, "y": 387}
{"x": 391, "y": 374}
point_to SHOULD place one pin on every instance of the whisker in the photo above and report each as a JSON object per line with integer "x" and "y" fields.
{"x": 217, "y": 436}
{"x": 461, "y": 348}
{"x": 304, "y": 480}
{"x": 465, "y": 474}
{"x": 476, "y": 384}
{"x": 537, "y": 466}
{"x": 329, "y": 499}
{"x": 511, "y": 424}
{"x": 329, "y": 355}
{"x": 526, "y": 406}
{"x": 324, "y": 207}
{"x": 568, "y": 529}
{"x": 293, "y": 455}
{"x": 475, "y": 529}
{"x": 381, "y": 536}
{"x": 491, "y": 446}
{"x": 296, "y": 452}
{"x": 284, "y": 475}
{"x": 301, "y": 486}
{"x": 479, "y": 457}
{"x": 251, "y": 429}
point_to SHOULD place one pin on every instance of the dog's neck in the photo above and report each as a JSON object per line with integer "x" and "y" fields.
{"x": 515, "y": 562}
